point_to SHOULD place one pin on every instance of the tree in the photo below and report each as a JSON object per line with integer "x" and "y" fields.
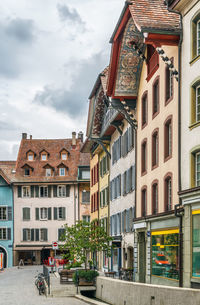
{"x": 83, "y": 238}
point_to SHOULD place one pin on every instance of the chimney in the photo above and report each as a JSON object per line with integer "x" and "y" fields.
{"x": 31, "y": 136}
{"x": 24, "y": 136}
{"x": 73, "y": 138}
{"x": 80, "y": 136}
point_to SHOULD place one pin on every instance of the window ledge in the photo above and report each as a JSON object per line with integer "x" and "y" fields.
{"x": 194, "y": 59}
{"x": 195, "y": 280}
{"x": 194, "y": 125}
{"x": 154, "y": 166}
{"x": 169, "y": 100}
{"x": 167, "y": 158}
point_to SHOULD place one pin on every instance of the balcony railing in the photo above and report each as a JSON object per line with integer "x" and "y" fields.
{"x": 109, "y": 116}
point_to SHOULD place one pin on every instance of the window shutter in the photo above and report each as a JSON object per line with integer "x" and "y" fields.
{"x": 127, "y": 183}
{"x": 36, "y": 191}
{"x": 110, "y": 190}
{"x": 9, "y": 233}
{"x": 115, "y": 217}
{"x": 108, "y": 162}
{"x": 108, "y": 196}
{"x": 49, "y": 213}
{"x": 133, "y": 216}
{"x": 129, "y": 179}
{"x": 49, "y": 191}
{"x": 133, "y": 177}
{"x": 19, "y": 190}
{"x": 55, "y": 191}
{"x": 45, "y": 234}
{"x": 24, "y": 234}
{"x": 9, "y": 213}
{"x": 123, "y": 221}
{"x": 37, "y": 213}
{"x": 24, "y": 213}
{"x": 32, "y": 191}
{"x": 37, "y": 237}
{"x": 55, "y": 213}
{"x": 32, "y": 234}
{"x": 111, "y": 226}
{"x": 130, "y": 220}
{"x": 67, "y": 190}
{"x": 63, "y": 213}
{"x": 120, "y": 223}
{"x": 28, "y": 214}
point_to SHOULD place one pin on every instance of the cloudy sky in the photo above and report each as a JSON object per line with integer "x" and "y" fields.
{"x": 50, "y": 55}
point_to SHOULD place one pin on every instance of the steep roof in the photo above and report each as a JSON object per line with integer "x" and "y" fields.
{"x": 154, "y": 15}
{"x": 7, "y": 170}
{"x": 54, "y": 147}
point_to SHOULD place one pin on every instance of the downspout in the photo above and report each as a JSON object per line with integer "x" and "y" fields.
{"x": 13, "y": 223}
{"x": 78, "y": 204}
{"x": 74, "y": 204}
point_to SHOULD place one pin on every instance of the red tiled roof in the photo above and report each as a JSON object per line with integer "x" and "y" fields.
{"x": 7, "y": 170}
{"x": 104, "y": 78}
{"x": 53, "y": 147}
{"x": 153, "y": 14}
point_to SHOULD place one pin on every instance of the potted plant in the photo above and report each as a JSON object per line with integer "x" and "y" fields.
{"x": 85, "y": 277}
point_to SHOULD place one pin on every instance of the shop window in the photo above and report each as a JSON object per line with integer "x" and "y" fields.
{"x": 168, "y": 192}
{"x": 144, "y": 109}
{"x": 168, "y": 84}
{"x": 144, "y": 202}
{"x": 196, "y": 243}
{"x": 144, "y": 157}
{"x": 165, "y": 257}
{"x": 155, "y": 198}
{"x": 155, "y": 152}
{"x": 155, "y": 104}
{"x": 168, "y": 139}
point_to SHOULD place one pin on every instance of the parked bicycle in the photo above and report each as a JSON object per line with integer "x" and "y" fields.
{"x": 40, "y": 284}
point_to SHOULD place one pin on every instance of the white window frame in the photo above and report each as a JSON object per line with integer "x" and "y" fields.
{"x": 87, "y": 218}
{"x": 60, "y": 171}
{"x": 42, "y": 232}
{"x": 30, "y": 157}
{"x": 197, "y": 103}
{"x": 22, "y": 213}
{"x": 63, "y": 191}
{"x": 197, "y": 162}
{"x": 43, "y": 157}
{"x": 44, "y": 192}
{"x": 43, "y": 212}
{"x": 4, "y": 228}
{"x": 28, "y": 192}
{"x": 58, "y": 213}
{"x": 48, "y": 172}
{"x": 198, "y": 37}
{"x": 4, "y": 207}
{"x": 169, "y": 193}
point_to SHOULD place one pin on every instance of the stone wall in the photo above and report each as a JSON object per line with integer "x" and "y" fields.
{"x": 117, "y": 292}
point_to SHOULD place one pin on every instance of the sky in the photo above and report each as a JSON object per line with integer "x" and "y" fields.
{"x": 50, "y": 56}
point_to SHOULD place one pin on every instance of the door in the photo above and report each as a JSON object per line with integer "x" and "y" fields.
{"x": 142, "y": 257}
{"x": 3, "y": 258}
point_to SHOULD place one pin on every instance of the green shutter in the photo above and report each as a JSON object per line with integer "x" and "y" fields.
{"x": 63, "y": 213}
{"x": 24, "y": 234}
{"x": 36, "y": 191}
{"x": 32, "y": 191}
{"x": 37, "y": 213}
{"x": 19, "y": 188}
{"x": 55, "y": 191}
{"x": 45, "y": 234}
{"x": 49, "y": 213}
{"x": 67, "y": 190}
{"x": 9, "y": 233}
{"x": 49, "y": 191}
{"x": 9, "y": 213}
{"x": 32, "y": 234}
{"x": 37, "y": 237}
{"x": 55, "y": 213}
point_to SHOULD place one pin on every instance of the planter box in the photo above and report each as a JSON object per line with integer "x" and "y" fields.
{"x": 83, "y": 282}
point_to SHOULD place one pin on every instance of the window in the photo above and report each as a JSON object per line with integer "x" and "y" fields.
{"x": 168, "y": 139}
{"x": 43, "y": 235}
{"x": 3, "y": 213}
{"x": 168, "y": 193}
{"x": 48, "y": 172}
{"x": 64, "y": 156}
{"x": 155, "y": 149}
{"x": 195, "y": 36}
{"x": 3, "y": 234}
{"x": 195, "y": 102}
{"x": 116, "y": 150}
{"x": 30, "y": 157}
{"x": 26, "y": 214}
{"x": 61, "y": 190}
{"x": 115, "y": 190}
{"x": 61, "y": 233}
{"x": 168, "y": 84}
{"x": 43, "y": 213}
{"x": 44, "y": 157}
{"x": 85, "y": 174}
{"x": 27, "y": 172}
{"x": 86, "y": 218}
{"x": 144, "y": 156}
{"x": 155, "y": 105}
{"x": 43, "y": 191}
{"x": 144, "y": 110}
{"x": 155, "y": 198}
{"x": 127, "y": 141}
{"x": 85, "y": 196}
{"x": 26, "y": 234}
{"x": 26, "y": 191}
{"x": 61, "y": 213}
{"x": 152, "y": 61}
{"x": 197, "y": 168}
{"x": 198, "y": 103}
{"x": 104, "y": 165}
{"x": 144, "y": 202}
{"x": 62, "y": 171}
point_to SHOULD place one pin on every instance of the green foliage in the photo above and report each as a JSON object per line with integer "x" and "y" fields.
{"x": 87, "y": 275}
{"x": 83, "y": 238}
{"x": 73, "y": 265}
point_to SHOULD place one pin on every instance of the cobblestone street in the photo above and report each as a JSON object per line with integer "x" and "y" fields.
{"x": 17, "y": 288}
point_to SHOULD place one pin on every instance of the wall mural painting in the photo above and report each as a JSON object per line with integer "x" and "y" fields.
{"x": 129, "y": 64}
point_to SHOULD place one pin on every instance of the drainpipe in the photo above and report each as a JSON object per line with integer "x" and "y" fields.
{"x": 178, "y": 213}
{"x": 13, "y": 223}
{"x": 78, "y": 203}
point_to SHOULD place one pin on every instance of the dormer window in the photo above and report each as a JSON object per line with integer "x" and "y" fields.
{"x": 48, "y": 172}
{"x": 27, "y": 172}
{"x": 43, "y": 157}
{"x": 30, "y": 157}
{"x": 64, "y": 156}
{"x": 61, "y": 171}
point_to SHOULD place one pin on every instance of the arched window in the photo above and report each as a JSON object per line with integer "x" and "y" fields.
{"x": 168, "y": 191}
{"x": 155, "y": 197}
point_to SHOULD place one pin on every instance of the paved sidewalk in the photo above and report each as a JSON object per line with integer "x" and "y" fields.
{"x": 17, "y": 288}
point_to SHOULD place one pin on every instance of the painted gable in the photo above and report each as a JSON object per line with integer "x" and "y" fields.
{"x": 129, "y": 63}
{"x": 2, "y": 181}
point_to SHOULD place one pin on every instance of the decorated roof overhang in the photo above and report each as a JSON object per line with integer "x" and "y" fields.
{"x": 5, "y": 177}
